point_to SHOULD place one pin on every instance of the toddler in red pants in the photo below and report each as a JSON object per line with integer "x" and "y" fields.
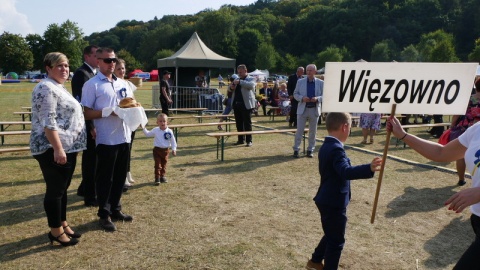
{"x": 164, "y": 140}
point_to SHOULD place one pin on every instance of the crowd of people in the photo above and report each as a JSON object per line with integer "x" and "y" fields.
{"x": 65, "y": 124}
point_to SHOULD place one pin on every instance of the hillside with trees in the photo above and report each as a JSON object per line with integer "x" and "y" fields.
{"x": 280, "y": 35}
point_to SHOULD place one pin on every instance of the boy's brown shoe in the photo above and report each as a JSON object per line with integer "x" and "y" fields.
{"x": 314, "y": 266}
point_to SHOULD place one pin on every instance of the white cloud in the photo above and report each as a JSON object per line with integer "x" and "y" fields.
{"x": 12, "y": 21}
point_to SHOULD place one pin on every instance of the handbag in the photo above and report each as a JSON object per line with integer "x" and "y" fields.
{"x": 458, "y": 129}
{"x": 444, "y": 138}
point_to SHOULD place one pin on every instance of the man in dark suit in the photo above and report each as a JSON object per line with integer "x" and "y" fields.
{"x": 269, "y": 98}
{"x": 81, "y": 75}
{"x": 333, "y": 194}
{"x": 292, "y": 82}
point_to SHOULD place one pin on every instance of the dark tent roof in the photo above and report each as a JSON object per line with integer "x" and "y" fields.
{"x": 196, "y": 54}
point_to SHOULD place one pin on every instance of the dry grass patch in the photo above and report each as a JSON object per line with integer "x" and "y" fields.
{"x": 252, "y": 211}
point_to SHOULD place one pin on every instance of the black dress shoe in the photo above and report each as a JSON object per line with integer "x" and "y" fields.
{"x": 72, "y": 235}
{"x": 118, "y": 215}
{"x": 107, "y": 224}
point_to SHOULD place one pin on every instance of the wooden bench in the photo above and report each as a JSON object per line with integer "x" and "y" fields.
{"x": 24, "y": 114}
{"x": 8, "y": 133}
{"x": 274, "y": 111}
{"x": 10, "y": 123}
{"x": 176, "y": 127}
{"x": 213, "y": 116}
{"x": 407, "y": 127}
{"x": 13, "y": 123}
{"x": 14, "y": 149}
{"x": 199, "y": 111}
{"x": 220, "y": 136}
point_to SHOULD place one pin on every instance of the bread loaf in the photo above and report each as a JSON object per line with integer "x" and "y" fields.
{"x": 129, "y": 102}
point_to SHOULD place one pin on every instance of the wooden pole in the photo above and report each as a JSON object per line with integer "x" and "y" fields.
{"x": 382, "y": 168}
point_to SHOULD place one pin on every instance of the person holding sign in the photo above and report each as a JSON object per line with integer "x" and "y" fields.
{"x": 333, "y": 195}
{"x": 460, "y": 123}
{"x": 466, "y": 146}
{"x": 308, "y": 92}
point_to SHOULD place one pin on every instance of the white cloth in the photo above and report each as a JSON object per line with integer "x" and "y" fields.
{"x": 133, "y": 117}
{"x": 471, "y": 139}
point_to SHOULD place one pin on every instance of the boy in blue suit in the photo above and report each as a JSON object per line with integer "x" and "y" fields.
{"x": 333, "y": 194}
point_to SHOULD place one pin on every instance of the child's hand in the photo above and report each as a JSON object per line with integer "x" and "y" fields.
{"x": 174, "y": 153}
{"x": 376, "y": 164}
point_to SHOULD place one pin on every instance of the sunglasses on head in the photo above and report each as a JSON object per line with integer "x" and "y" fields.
{"x": 108, "y": 60}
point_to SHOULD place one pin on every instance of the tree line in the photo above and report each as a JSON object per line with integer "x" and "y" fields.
{"x": 276, "y": 35}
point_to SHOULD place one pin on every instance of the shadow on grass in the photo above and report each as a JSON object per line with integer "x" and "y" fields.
{"x": 31, "y": 208}
{"x": 238, "y": 165}
{"x": 37, "y": 244}
{"x": 444, "y": 248}
{"x": 419, "y": 200}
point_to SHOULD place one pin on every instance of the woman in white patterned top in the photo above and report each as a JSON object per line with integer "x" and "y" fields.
{"x": 58, "y": 134}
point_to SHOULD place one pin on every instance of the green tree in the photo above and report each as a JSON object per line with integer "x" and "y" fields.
{"x": 287, "y": 64}
{"x": 330, "y": 54}
{"x": 409, "y": 54}
{"x": 433, "y": 44}
{"x": 474, "y": 56}
{"x": 130, "y": 62}
{"x": 160, "y": 55}
{"x": 248, "y": 42}
{"x": 35, "y": 43}
{"x": 266, "y": 56}
{"x": 444, "y": 51}
{"x": 66, "y": 38}
{"x": 15, "y": 54}
{"x": 384, "y": 51}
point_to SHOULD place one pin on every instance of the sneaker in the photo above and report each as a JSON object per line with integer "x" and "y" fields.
{"x": 119, "y": 215}
{"x": 249, "y": 144}
{"x": 310, "y": 154}
{"x": 157, "y": 181}
{"x": 314, "y": 266}
{"x": 295, "y": 154}
{"x": 163, "y": 179}
{"x": 107, "y": 224}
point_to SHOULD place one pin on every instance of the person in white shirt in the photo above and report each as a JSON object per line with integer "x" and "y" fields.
{"x": 100, "y": 95}
{"x": 164, "y": 139}
{"x": 466, "y": 146}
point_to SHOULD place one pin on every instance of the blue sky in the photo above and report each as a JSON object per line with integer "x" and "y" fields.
{"x": 28, "y": 17}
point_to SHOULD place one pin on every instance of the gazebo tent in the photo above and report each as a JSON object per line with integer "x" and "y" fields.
{"x": 194, "y": 54}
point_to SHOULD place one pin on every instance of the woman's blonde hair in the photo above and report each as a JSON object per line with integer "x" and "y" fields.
{"x": 52, "y": 59}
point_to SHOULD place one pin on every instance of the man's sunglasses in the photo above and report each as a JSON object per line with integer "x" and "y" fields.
{"x": 108, "y": 60}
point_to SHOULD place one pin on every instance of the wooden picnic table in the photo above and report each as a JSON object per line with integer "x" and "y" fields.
{"x": 220, "y": 136}
{"x": 12, "y": 123}
{"x": 199, "y": 111}
{"x": 23, "y": 114}
{"x": 179, "y": 126}
{"x": 8, "y": 133}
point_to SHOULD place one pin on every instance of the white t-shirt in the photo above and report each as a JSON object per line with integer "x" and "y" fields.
{"x": 471, "y": 140}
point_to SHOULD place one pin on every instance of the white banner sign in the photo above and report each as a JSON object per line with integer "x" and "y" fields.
{"x": 416, "y": 88}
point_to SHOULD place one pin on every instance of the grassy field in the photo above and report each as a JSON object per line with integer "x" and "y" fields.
{"x": 252, "y": 211}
